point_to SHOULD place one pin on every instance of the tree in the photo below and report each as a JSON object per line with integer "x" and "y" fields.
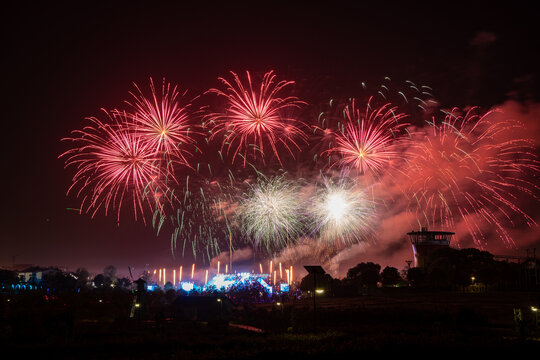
{"x": 8, "y": 277}
{"x": 123, "y": 283}
{"x": 82, "y": 276}
{"x": 366, "y": 274}
{"x": 110, "y": 271}
{"x": 456, "y": 267}
{"x": 438, "y": 277}
{"x": 416, "y": 276}
{"x": 99, "y": 280}
{"x": 390, "y": 276}
{"x": 59, "y": 282}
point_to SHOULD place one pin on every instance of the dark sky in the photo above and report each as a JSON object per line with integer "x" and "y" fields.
{"x": 63, "y": 63}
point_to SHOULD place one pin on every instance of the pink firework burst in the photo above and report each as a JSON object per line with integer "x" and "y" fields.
{"x": 113, "y": 163}
{"x": 163, "y": 122}
{"x": 367, "y": 140}
{"x": 256, "y": 117}
{"x": 471, "y": 171}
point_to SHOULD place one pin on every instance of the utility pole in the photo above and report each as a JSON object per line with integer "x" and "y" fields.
{"x": 314, "y": 304}
{"x": 314, "y": 270}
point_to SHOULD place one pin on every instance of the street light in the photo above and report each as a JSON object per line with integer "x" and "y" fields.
{"x": 315, "y": 270}
{"x": 220, "y": 306}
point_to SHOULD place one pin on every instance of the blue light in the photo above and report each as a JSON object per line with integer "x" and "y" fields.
{"x": 265, "y": 285}
{"x": 222, "y": 281}
{"x": 284, "y": 287}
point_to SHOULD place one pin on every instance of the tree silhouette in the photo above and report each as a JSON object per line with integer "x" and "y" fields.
{"x": 109, "y": 274}
{"x": 416, "y": 276}
{"x": 59, "y": 282}
{"x": 82, "y": 276}
{"x": 123, "y": 283}
{"x": 8, "y": 277}
{"x": 453, "y": 267}
{"x": 99, "y": 280}
{"x": 390, "y": 276}
{"x": 366, "y": 274}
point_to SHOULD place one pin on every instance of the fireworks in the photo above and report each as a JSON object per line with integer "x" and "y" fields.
{"x": 472, "y": 169}
{"x": 202, "y": 219}
{"x": 256, "y": 118}
{"x": 113, "y": 163}
{"x": 341, "y": 212}
{"x": 163, "y": 122}
{"x": 271, "y": 213}
{"x": 368, "y": 139}
{"x": 466, "y": 173}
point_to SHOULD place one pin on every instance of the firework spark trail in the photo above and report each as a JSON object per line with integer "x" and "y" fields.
{"x": 163, "y": 122}
{"x": 203, "y": 219}
{"x": 470, "y": 168}
{"x": 368, "y": 140}
{"x": 170, "y": 130}
{"x": 197, "y": 220}
{"x": 462, "y": 172}
{"x": 256, "y": 118}
{"x": 271, "y": 213}
{"x": 341, "y": 212}
{"x": 113, "y": 162}
{"x": 203, "y": 222}
{"x": 324, "y": 132}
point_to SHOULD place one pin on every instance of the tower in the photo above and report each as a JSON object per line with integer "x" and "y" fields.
{"x": 425, "y": 243}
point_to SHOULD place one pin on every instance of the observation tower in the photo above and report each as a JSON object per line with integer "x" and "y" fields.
{"x": 425, "y": 243}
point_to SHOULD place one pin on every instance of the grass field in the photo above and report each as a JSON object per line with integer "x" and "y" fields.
{"x": 397, "y": 321}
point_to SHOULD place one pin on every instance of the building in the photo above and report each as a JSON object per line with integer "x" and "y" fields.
{"x": 425, "y": 243}
{"x": 34, "y": 275}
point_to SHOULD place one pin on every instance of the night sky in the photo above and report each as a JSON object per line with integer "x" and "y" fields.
{"x": 62, "y": 64}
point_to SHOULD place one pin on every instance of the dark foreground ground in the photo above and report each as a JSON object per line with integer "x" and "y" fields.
{"x": 396, "y": 321}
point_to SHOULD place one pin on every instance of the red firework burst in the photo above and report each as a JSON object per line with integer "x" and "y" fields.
{"x": 471, "y": 169}
{"x": 114, "y": 163}
{"x": 163, "y": 122}
{"x": 255, "y": 117}
{"x": 368, "y": 139}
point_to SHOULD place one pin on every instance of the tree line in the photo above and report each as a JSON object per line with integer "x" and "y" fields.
{"x": 448, "y": 268}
